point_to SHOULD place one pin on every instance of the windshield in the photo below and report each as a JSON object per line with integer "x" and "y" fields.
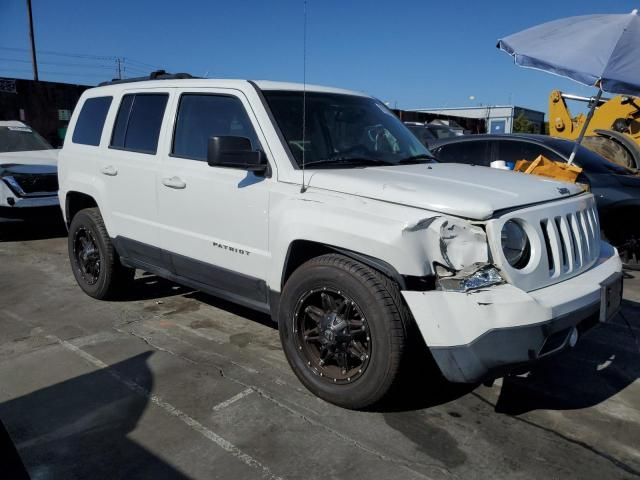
{"x": 21, "y": 139}
{"x": 343, "y": 130}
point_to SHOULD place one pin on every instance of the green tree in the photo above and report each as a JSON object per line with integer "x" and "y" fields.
{"x": 522, "y": 125}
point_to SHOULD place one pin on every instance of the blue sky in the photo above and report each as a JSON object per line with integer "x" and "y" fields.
{"x": 410, "y": 53}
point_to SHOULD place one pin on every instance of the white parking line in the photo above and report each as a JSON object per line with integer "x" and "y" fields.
{"x": 233, "y": 399}
{"x": 170, "y": 409}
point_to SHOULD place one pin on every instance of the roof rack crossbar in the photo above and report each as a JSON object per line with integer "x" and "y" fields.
{"x": 156, "y": 75}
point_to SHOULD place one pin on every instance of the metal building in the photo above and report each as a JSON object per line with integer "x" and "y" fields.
{"x": 45, "y": 106}
{"x": 497, "y": 119}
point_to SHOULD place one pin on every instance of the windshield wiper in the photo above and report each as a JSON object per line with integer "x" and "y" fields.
{"x": 349, "y": 160}
{"x": 413, "y": 158}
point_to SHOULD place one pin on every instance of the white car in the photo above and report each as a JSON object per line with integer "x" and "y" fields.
{"x": 371, "y": 244}
{"x": 28, "y": 174}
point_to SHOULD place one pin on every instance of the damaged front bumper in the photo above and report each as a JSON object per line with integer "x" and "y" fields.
{"x": 488, "y": 332}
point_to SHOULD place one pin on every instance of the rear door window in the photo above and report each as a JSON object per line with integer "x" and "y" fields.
{"x": 137, "y": 126}
{"x": 201, "y": 116}
{"x": 513, "y": 150}
{"x": 90, "y": 123}
{"x": 469, "y": 152}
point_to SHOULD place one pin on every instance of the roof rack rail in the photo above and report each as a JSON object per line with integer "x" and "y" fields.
{"x": 157, "y": 75}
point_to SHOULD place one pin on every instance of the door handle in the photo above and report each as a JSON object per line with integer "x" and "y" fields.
{"x": 174, "y": 182}
{"x": 109, "y": 170}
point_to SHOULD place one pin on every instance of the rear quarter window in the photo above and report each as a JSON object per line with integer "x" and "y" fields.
{"x": 137, "y": 126}
{"x": 90, "y": 123}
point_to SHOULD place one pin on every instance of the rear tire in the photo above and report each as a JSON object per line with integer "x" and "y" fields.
{"x": 342, "y": 327}
{"x": 94, "y": 261}
{"x": 610, "y": 149}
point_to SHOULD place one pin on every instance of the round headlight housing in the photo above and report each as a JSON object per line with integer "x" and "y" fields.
{"x": 515, "y": 244}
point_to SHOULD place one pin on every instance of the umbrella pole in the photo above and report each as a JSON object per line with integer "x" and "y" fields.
{"x": 595, "y": 102}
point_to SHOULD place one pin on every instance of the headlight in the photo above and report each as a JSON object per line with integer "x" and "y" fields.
{"x": 460, "y": 243}
{"x": 515, "y": 244}
{"x": 472, "y": 278}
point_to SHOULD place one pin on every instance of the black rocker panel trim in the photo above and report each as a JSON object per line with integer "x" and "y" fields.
{"x": 141, "y": 252}
{"x": 220, "y": 282}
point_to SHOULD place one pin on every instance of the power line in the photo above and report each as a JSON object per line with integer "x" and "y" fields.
{"x": 62, "y": 54}
{"x": 58, "y": 64}
{"x": 130, "y": 68}
{"x": 86, "y": 56}
{"x": 155, "y": 67}
{"x": 121, "y": 66}
{"x": 49, "y": 72}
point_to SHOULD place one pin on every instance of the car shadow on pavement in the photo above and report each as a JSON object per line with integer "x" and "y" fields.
{"x": 602, "y": 364}
{"x": 79, "y": 428}
{"x": 420, "y": 384}
{"x": 605, "y": 362}
{"x": 26, "y": 231}
{"x": 244, "y": 312}
{"x": 148, "y": 286}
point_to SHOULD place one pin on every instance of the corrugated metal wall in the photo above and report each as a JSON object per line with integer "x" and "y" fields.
{"x": 45, "y": 106}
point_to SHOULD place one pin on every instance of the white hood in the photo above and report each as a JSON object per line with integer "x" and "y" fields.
{"x": 35, "y": 157}
{"x": 461, "y": 190}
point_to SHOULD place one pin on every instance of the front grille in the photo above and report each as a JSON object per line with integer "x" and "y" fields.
{"x": 572, "y": 240}
{"x": 565, "y": 241}
{"x": 46, "y": 183}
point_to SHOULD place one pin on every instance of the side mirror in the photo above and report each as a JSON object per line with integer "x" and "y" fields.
{"x": 235, "y": 152}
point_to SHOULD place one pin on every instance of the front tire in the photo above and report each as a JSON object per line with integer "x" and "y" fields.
{"x": 342, "y": 327}
{"x": 93, "y": 258}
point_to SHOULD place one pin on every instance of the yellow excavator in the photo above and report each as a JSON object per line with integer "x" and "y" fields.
{"x": 614, "y": 130}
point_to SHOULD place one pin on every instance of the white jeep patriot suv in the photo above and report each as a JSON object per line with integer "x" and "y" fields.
{"x": 369, "y": 246}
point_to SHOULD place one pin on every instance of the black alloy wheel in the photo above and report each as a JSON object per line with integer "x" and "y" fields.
{"x": 94, "y": 260}
{"x": 343, "y": 328}
{"x": 87, "y": 255}
{"x": 332, "y": 335}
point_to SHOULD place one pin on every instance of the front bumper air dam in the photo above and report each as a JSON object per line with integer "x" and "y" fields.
{"x": 48, "y": 212}
{"x": 486, "y": 333}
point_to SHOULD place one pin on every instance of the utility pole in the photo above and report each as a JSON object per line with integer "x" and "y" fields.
{"x": 34, "y": 62}
{"x": 118, "y": 62}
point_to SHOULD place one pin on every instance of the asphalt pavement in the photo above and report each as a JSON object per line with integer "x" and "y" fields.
{"x": 173, "y": 383}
